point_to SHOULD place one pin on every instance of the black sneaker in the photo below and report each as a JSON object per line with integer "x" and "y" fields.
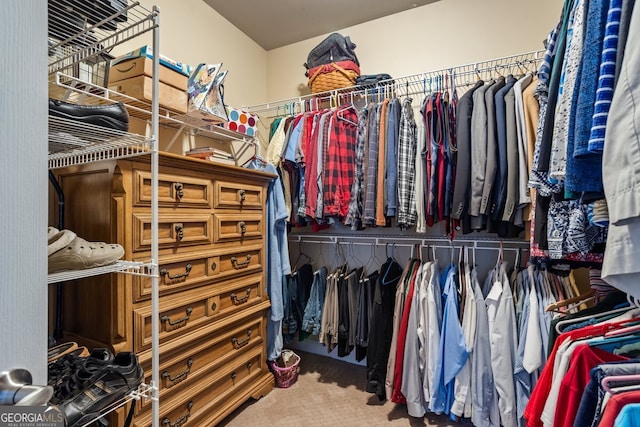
{"x": 113, "y": 116}
{"x": 106, "y": 386}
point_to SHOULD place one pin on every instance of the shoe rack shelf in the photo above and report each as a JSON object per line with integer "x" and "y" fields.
{"x": 71, "y": 46}
{"x": 127, "y": 267}
{"x": 73, "y": 89}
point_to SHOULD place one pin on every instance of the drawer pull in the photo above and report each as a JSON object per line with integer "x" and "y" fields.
{"x": 187, "y": 270}
{"x": 243, "y": 227}
{"x": 184, "y": 319}
{"x": 179, "y": 190}
{"x": 233, "y": 375}
{"x": 214, "y": 265}
{"x": 240, "y": 300}
{"x": 179, "y": 231}
{"x": 214, "y": 306}
{"x": 179, "y": 377}
{"x": 181, "y": 420}
{"x": 242, "y": 195}
{"x": 239, "y": 343}
{"x": 239, "y": 265}
{"x": 249, "y": 365}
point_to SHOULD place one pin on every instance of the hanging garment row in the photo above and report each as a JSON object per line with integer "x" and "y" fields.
{"x": 577, "y": 79}
{"x": 442, "y": 341}
{"x": 364, "y": 168}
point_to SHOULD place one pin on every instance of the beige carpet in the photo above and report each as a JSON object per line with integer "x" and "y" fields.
{"x": 328, "y": 392}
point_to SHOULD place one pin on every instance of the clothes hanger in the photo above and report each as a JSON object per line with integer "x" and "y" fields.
{"x": 577, "y": 301}
{"x": 623, "y": 380}
{"x": 385, "y": 280}
{"x": 562, "y": 323}
{"x": 301, "y": 255}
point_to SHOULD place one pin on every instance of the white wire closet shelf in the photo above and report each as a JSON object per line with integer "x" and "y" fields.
{"x": 414, "y": 84}
{"x": 75, "y": 90}
{"x": 127, "y": 267}
{"x": 76, "y": 35}
{"x": 81, "y": 36}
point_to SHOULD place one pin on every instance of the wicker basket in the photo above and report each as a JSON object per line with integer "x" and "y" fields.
{"x": 285, "y": 377}
{"x": 333, "y": 76}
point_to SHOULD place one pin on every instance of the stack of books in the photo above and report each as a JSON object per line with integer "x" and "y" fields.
{"x": 212, "y": 154}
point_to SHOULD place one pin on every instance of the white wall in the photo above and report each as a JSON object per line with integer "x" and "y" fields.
{"x": 23, "y": 173}
{"x": 439, "y": 35}
{"x": 192, "y": 32}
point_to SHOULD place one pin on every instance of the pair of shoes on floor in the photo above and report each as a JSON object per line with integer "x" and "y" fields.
{"x": 112, "y": 116}
{"x": 61, "y": 349}
{"x": 67, "y": 251}
{"x": 85, "y": 386}
{"x": 16, "y": 388}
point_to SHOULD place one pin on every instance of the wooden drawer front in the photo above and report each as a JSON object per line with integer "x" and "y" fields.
{"x": 173, "y": 190}
{"x": 241, "y": 261}
{"x": 230, "y": 227}
{"x": 204, "y": 397}
{"x": 174, "y": 231}
{"x": 197, "y": 308}
{"x": 237, "y": 195}
{"x": 183, "y": 365}
{"x": 175, "y": 276}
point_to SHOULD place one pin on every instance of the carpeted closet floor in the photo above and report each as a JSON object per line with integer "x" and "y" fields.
{"x": 328, "y": 392}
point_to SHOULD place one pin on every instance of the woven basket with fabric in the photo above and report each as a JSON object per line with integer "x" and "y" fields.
{"x": 286, "y": 376}
{"x": 335, "y": 75}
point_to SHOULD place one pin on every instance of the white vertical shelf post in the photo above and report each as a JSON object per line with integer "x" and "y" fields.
{"x": 155, "y": 306}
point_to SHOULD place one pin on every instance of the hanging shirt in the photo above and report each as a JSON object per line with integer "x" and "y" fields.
{"x": 391, "y": 162}
{"x": 354, "y": 216}
{"x": 382, "y": 137}
{"x": 407, "y": 143}
{"x": 372, "y": 166}
{"x": 453, "y": 353}
{"x": 521, "y": 131}
{"x": 503, "y": 340}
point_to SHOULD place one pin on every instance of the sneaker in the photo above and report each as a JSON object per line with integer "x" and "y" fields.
{"x": 103, "y": 384}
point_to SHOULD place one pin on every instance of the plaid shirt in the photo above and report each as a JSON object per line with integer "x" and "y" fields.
{"x": 407, "y": 144}
{"x": 372, "y": 167}
{"x": 354, "y": 216}
{"x": 340, "y": 162}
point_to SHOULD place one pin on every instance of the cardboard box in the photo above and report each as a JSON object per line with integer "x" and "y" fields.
{"x": 172, "y": 72}
{"x": 140, "y": 87}
{"x": 143, "y": 67}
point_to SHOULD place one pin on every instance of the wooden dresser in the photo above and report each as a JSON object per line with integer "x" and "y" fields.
{"x": 212, "y": 263}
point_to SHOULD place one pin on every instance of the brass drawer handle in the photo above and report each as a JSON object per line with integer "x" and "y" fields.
{"x": 179, "y": 231}
{"x": 239, "y": 343}
{"x": 184, "y": 319}
{"x": 240, "y": 300}
{"x": 242, "y": 195}
{"x": 181, "y": 420}
{"x": 243, "y": 227}
{"x": 238, "y": 265}
{"x": 179, "y": 377}
{"x": 233, "y": 375}
{"x": 165, "y": 272}
{"x": 179, "y": 190}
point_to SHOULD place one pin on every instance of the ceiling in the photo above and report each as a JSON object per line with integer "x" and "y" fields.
{"x": 277, "y": 23}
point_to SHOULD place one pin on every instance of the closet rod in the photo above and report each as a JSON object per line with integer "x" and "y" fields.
{"x": 496, "y": 64}
{"x": 424, "y": 242}
{"x": 429, "y": 246}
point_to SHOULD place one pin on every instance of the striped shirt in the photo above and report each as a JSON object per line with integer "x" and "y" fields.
{"x": 606, "y": 79}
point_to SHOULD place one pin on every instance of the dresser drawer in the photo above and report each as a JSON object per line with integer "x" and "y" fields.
{"x": 183, "y": 313}
{"x": 184, "y": 363}
{"x": 176, "y": 191}
{"x": 233, "y": 195}
{"x": 176, "y": 275}
{"x": 175, "y": 231}
{"x": 237, "y": 227}
{"x": 240, "y": 260}
{"x": 209, "y": 394}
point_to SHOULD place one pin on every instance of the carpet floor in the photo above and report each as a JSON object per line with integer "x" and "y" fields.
{"x": 328, "y": 392}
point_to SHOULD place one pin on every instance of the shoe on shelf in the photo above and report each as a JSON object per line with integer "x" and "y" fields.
{"x": 112, "y": 116}
{"x": 60, "y": 350}
{"x": 67, "y": 251}
{"x": 104, "y": 385}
